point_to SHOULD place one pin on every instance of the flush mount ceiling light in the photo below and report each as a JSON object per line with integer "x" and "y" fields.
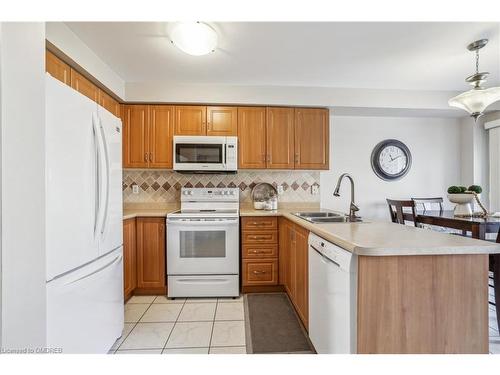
{"x": 478, "y": 98}
{"x": 194, "y": 38}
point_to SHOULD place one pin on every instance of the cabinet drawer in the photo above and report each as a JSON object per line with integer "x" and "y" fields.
{"x": 259, "y": 251}
{"x": 259, "y": 223}
{"x": 260, "y": 272}
{"x": 264, "y": 237}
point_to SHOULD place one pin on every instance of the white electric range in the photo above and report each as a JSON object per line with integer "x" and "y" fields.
{"x": 203, "y": 244}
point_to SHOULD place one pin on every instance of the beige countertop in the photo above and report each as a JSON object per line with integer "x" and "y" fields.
{"x": 371, "y": 238}
{"x": 132, "y": 210}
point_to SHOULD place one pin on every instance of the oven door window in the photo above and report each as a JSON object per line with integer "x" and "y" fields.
{"x": 202, "y": 244}
{"x": 198, "y": 153}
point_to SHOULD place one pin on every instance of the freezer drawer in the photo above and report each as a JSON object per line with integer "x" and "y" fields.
{"x": 85, "y": 307}
{"x": 203, "y": 286}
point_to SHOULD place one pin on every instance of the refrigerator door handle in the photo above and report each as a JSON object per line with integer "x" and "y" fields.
{"x": 107, "y": 178}
{"x": 107, "y": 265}
{"x": 98, "y": 153}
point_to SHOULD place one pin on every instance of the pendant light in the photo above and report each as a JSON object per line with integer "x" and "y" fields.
{"x": 478, "y": 98}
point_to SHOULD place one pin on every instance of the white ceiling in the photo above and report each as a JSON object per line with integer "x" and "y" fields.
{"x": 414, "y": 56}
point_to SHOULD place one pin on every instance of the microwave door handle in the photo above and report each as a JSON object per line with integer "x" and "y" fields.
{"x": 225, "y": 154}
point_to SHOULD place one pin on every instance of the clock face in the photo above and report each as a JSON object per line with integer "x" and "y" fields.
{"x": 391, "y": 159}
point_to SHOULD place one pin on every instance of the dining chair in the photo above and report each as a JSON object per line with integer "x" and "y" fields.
{"x": 397, "y": 209}
{"x": 427, "y": 204}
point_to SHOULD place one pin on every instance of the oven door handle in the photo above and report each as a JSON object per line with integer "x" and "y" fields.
{"x": 202, "y": 223}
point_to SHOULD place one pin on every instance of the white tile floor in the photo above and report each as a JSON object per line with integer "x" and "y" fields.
{"x": 155, "y": 324}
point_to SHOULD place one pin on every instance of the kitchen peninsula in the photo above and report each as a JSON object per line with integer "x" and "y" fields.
{"x": 418, "y": 291}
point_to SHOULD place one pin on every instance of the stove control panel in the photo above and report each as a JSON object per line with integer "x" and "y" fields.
{"x": 207, "y": 194}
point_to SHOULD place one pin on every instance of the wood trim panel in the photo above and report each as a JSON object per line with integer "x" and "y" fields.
{"x": 260, "y": 272}
{"x": 57, "y": 68}
{"x": 106, "y": 101}
{"x": 252, "y": 223}
{"x": 260, "y": 238}
{"x": 423, "y": 304}
{"x": 311, "y": 138}
{"x": 252, "y": 137}
{"x": 84, "y": 86}
{"x": 259, "y": 251}
{"x": 222, "y": 121}
{"x": 161, "y": 132}
{"x": 129, "y": 258}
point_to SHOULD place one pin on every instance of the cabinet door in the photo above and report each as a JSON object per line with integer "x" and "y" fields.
{"x": 280, "y": 138}
{"x": 161, "y": 131}
{"x": 311, "y": 138}
{"x": 57, "y": 68}
{"x": 109, "y": 103}
{"x": 129, "y": 257}
{"x": 222, "y": 121}
{"x": 151, "y": 252}
{"x": 135, "y": 136}
{"x": 301, "y": 273}
{"x": 252, "y": 137}
{"x": 84, "y": 86}
{"x": 190, "y": 120}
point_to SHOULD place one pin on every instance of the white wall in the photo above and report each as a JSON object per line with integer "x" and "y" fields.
{"x": 290, "y": 95}
{"x": 63, "y": 38}
{"x": 435, "y": 147}
{"x": 22, "y": 86}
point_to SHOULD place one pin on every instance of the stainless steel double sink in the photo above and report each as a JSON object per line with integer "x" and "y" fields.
{"x": 325, "y": 217}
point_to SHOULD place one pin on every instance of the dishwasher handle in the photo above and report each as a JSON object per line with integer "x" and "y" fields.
{"x": 323, "y": 256}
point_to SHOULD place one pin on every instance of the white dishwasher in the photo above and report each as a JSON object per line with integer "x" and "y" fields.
{"x": 332, "y": 297}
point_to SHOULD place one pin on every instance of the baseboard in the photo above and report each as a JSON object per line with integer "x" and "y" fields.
{"x": 262, "y": 289}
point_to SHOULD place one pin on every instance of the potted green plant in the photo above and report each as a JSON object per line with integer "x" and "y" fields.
{"x": 463, "y": 197}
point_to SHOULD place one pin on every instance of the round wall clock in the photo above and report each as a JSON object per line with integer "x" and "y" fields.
{"x": 391, "y": 159}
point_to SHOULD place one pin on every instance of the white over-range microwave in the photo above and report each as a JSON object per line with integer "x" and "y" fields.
{"x": 205, "y": 154}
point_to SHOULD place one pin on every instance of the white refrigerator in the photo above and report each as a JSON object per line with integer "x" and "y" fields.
{"x": 84, "y": 238}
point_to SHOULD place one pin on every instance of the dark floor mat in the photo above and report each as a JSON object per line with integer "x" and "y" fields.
{"x": 272, "y": 326}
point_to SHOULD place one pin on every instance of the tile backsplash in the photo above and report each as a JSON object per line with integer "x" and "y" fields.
{"x": 165, "y": 186}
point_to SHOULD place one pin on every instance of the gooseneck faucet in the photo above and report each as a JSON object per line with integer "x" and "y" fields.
{"x": 352, "y": 208}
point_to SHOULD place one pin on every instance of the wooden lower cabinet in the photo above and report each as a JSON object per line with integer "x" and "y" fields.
{"x": 151, "y": 238}
{"x": 129, "y": 258}
{"x": 259, "y": 251}
{"x": 293, "y": 266}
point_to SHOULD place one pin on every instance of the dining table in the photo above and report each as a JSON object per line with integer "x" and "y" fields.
{"x": 477, "y": 226}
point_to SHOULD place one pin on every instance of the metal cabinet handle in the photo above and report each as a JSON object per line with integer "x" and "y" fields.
{"x": 256, "y": 251}
{"x": 150, "y": 156}
{"x": 296, "y": 157}
{"x": 259, "y": 237}
{"x": 146, "y": 156}
{"x": 258, "y": 272}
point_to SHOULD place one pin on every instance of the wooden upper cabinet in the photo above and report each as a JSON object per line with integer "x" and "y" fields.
{"x": 84, "y": 86}
{"x": 222, "y": 121}
{"x": 161, "y": 131}
{"x": 151, "y": 252}
{"x": 252, "y": 137}
{"x": 190, "y": 120}
{"x": 57, "y": 68}
{"x": 135, "y": 136}
{"x": 109, "y": 103}
{"x": 311, "y": 138}
{"x": 280, "y": 138}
